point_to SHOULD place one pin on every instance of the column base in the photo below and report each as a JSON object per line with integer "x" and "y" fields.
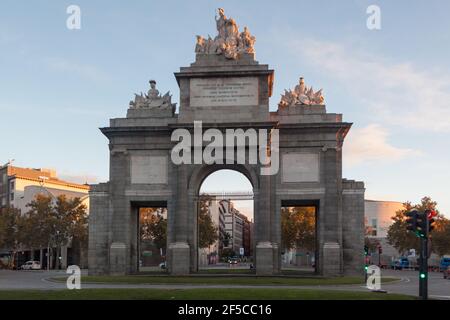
{"x": 331, "y": 265}
{"x": 117, "y": 259}
{"x": 179, "y": 258}
{"x": 264, "y": 258}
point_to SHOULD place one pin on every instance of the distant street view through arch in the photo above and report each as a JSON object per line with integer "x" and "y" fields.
{"x": 225, "y": 223}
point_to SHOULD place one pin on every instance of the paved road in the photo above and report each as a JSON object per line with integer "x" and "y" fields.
{"x": 438, "y": 287}
{"x": 15, "y": 280}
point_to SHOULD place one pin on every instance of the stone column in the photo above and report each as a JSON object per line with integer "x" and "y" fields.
{"x": 179, "y": 249}
{"x": 330, "y": 244}
{"x": 99, "y": 229}
{"x": 119, "y": 246}
{"x": 264, "y": 247}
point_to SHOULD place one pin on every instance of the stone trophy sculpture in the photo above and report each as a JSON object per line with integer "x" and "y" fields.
{"x": 152, "y": 104}
{"x": 301, "y": 95}
{"x": 228, "y": 42}
{"x": 153, "y": 100}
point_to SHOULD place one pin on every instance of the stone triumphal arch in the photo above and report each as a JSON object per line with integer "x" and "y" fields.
{"x": 226, "y": 88}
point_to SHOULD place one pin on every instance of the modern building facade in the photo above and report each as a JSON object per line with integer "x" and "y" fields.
{"x": 19, "y": 186}
{"x": 236, "y": 225}
{"x": 378, "y": 219}
{"x": 228, "y": 220}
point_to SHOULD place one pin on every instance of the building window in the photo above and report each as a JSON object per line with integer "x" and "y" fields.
{"x": 11, "y": 196}
{"x": 374, "y": 223}
{"x": 374, "y": 227}
{"x": 3, "y": 201}
{"x": 11, "y": 186}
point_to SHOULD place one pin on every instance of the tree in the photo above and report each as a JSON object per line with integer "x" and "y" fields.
{"x": 227, "y": 252}
{"x": 154, "y": 226}
{"x": 372, "y": 244}
{"x": 69, "y": 217}
{"x": 11, "y": 232}
{"x": 38, "y": 227}
{"x": 55, "y": 222}
{"x": 207, "y": 231}
{"x": 298, "y": 228}
{"x": 398, "y": 236}
{"x": 226, "y": 239}
{"x": 440, "y": 240}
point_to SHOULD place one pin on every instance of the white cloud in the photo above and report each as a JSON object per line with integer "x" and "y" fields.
{"x": 370, "y": 145}
{"x": 397, "y": 93}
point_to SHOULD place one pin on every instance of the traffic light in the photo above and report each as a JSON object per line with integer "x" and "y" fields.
{"x": 423, "y": 275}
{"x": 366, "y": 250}
{"x": 422, "y": 225}
{"x": 380, "y": 249}
{"x": 411, "y": 221}
{"x": 430, "y": 215}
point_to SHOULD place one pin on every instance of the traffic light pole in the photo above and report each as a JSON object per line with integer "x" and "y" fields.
{"x": 421, "y": 223}
{"x": 423, "y": 272}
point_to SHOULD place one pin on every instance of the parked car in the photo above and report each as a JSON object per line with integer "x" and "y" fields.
{"x": 31, "y": 265}
{"x": 444, "y": 264}
{"x": 446, "y": 273}
{"x": 233, "y": 260}
{"x": 400, "y": 263}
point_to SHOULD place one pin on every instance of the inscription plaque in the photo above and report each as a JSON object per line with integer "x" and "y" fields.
{"x": 148, "y": 169}
{"x": 227, "y": 91}
{"x": 300, "y": 167}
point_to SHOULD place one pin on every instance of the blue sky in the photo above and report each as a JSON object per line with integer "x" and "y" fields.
{"x": 58, "y": 86}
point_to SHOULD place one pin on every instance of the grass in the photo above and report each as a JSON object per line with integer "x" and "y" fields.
{"x": 241, "y": 280}
{"x": 196, "y": 294}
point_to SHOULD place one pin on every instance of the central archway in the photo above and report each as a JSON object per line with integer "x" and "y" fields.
{"x": 225, "y": 223}
{"x": 234, "y": 174}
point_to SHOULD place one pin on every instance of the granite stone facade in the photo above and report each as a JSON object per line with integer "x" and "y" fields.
{"x": 309, "y": 138}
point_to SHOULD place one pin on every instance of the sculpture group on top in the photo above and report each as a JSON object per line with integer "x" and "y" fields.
{"x": 301, "y": 95}
{"x": 152, "y": 100}
{"x": 229, "y": 41}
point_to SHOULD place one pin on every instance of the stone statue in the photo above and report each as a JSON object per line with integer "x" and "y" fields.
{"x": 220, "y": 23}
{"x": 152, "y": 92}
{"x": 300, "y": 88}
{"x": 228, "y": 41}
{"x": 211, "y": 46}
{"x": 200, "y": 47}
{"x": 152, "y": 100}
{"x": 246, "y": 41}
{"x": 302, "y": 95}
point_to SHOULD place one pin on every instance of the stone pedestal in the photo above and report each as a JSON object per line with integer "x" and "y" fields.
{"x": 179, "y": 258}
{"x": 150, "y": 113}
{"x": 331, "y": 259}
{"x": 117, "y": 258}
{"x": 264, "y": 258}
